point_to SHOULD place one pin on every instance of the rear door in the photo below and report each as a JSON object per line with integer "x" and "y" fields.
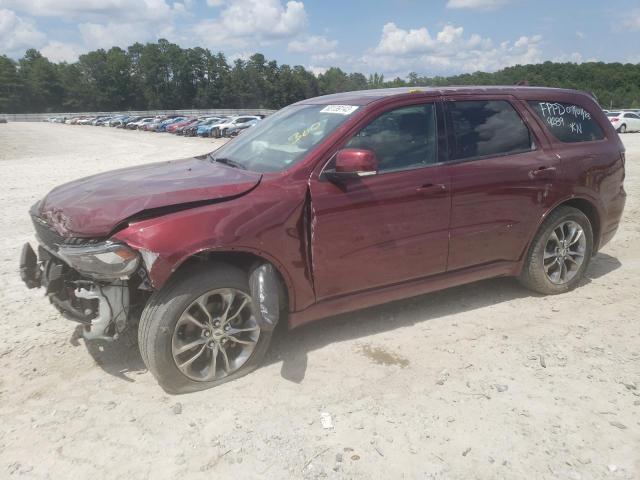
{"x": 389, "y": 227}
{"x": 501, "y": 177}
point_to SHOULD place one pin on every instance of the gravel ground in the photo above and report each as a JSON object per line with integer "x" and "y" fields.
{"x": 480, "y": 381}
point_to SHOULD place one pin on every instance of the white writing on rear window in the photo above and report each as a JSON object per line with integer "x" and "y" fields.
{"x": 559, "y": 115}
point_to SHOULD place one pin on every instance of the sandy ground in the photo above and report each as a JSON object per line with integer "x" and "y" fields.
{"x": 480, "y": 381}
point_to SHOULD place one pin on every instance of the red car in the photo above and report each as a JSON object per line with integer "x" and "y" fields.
{"x": 174, "y": 126}
{"x": 332, "y": 204}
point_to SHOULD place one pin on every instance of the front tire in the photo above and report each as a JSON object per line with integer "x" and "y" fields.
{"x": 200, "y": 330}
{"x": 560, "y": 252}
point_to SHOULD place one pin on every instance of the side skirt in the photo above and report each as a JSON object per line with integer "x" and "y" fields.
{"x": 369, "y": 298}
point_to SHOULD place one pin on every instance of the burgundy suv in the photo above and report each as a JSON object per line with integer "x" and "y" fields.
{"x": 332, "y": 204}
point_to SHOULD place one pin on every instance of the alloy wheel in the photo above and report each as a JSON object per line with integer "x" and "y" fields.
{"x": 564, "y": 252}
{"x": 215, "y": 335}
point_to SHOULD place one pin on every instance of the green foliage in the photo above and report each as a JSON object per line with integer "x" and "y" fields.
{"x": 616, "y": 85}
{"x": 163, "y": 75}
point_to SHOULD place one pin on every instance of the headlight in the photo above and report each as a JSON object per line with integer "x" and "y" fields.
{"x": 103, "y": 261}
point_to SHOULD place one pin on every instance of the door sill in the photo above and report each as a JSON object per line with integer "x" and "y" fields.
{"x": 412, "y": 288}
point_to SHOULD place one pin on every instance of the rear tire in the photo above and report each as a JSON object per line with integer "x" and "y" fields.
{"x": 162, "y": 332}
{"x": 623, "y": 128}
{"x": 556, "y": 261}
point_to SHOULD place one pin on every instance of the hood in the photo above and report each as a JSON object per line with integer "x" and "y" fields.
{"x": 94, "y": 206}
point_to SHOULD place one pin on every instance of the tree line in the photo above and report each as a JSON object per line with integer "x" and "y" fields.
{"x": 162, "y": 75}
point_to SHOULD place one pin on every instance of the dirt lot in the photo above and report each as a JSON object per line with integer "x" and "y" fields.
{"x": 481, "y": 381}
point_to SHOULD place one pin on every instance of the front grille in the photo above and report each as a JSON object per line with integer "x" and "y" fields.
{"x": 52, "y": 239}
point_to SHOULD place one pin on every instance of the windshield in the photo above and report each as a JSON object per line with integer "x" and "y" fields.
{"x": 283, "y": 139}
{"x": 613, "y": 114}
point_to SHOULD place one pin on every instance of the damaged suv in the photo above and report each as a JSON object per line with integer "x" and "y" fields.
{"x": 332, "y": 204}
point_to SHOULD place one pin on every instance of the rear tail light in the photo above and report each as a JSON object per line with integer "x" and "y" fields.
{"x": 615, "y": 119}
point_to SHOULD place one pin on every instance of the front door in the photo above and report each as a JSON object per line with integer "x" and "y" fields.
{"x": 389, "y": 227}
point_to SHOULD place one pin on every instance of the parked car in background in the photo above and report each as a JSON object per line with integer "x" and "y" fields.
{"x": 221, "y": 129}
{"x": 185, "y": 125}
{"x": 192, "y": 129}
{"x": 204, "y": 130}
{"x": 139, "y": 123}
{"x": 127, "y": 120}
{"x": 234, "y": 130}
{"x": 113, "y": 121}
{"x": 176, "y": 125}
{"x": 85, "y": 121}
{"x": 97, "y": 120}
{"x": 332, "y": 204}
{"x": 152, "y": 126}
{"x": 3, "y": 120}
{"x": 170, "y": 121}
{"x": 624, "y": 121}
{"x": 116, "y": 121}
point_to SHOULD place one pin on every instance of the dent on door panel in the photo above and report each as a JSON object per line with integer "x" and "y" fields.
{"x": 494, "y": 203}
{"x": 377, "y": 231}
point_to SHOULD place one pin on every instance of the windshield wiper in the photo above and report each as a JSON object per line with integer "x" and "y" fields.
{"x": 228, "y": 161}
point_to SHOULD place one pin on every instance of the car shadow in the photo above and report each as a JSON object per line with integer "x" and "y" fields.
{"x": 601, "y": 265}
{"x": 292, "y": 347}
{"x": 122, "y": 358}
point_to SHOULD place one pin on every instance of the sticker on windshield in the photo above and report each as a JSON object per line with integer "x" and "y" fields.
{"x": 340, "y": 109}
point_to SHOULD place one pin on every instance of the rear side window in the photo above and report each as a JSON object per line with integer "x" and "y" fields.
{"x": 487, "y": 128}
{"x": 568, "y": 122}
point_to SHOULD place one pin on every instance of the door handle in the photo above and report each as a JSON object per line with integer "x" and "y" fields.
{"x": 542, "y": 172}
{"x": 432, "y": 188}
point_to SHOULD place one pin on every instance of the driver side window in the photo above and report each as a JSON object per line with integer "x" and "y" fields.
{"x": 402, "y": 139}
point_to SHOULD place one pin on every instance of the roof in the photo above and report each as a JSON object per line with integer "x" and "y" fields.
{"x": 365, "y": 97}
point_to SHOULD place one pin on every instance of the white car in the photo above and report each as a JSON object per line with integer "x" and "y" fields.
{"x": 140, "y": 123}
{"x": 624, "y": 121}
{"x": 236, "y": 129}
{"x": 221, "y": 130}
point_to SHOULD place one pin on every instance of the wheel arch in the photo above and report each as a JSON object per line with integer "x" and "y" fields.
{"x": 244, "y": 259}
{"x": 591, "y": 211}
{"x": 586, "y": 206}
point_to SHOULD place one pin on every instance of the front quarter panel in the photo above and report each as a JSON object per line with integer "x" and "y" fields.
{"x": 266, "y": 222}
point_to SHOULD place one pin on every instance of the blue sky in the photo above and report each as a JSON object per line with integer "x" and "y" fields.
{"x": 394, "y": 37}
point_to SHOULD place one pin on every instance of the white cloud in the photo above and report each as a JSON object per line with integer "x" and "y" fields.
{"x": 312, "y": 44}
{"x": 18, "y": 34}
{"x": 400, "y": 51}
{"x": 397, "y": 41}
{"x": 633, "y": 20}
{"x": 574, "y": 57}
{"x": 61, "y": 52}
{"x": 580, "y": 35}
{"x": 215, "y": 3}
{"x": 244, "y": 23}
{"x": 95, "y": 10}
{"x": 98, "y": 35}
{"x": 105, "y": 23}
{"x": 477, "y": 4}
{"x": 316, "y": 70}
{"x": 244, "y": 56}
{"x": 331, "y": 59}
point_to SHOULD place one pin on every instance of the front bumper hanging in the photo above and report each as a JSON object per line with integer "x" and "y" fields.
{"x": 103, "y": 308}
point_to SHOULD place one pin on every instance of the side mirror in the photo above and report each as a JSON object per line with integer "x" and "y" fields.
{"x": 353, "y": 162}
